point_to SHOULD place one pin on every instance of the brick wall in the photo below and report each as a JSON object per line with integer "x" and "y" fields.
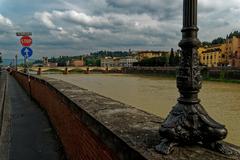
{"x": 79, "y": 142}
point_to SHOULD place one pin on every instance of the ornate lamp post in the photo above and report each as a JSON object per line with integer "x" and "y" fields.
{"x": 188, "y": 122}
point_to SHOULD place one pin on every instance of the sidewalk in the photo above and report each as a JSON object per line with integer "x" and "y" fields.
{"x": 31, "y": 136}
{"x": 4, "y": 119}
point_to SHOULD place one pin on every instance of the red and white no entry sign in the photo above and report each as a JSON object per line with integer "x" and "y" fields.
{"x": 26, "y": 41}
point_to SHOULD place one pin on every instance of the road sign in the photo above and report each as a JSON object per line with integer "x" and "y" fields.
{"x": 26, "y": 41}
{"x": 26, "y": 52}
{"x": 23, "y": 33}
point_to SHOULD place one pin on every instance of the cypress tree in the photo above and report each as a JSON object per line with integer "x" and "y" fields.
{"x": 171, "y": 58}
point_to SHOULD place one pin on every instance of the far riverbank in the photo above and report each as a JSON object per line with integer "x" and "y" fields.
{"x": 228, "y": 75}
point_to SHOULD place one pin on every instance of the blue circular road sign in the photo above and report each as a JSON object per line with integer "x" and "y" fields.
{"x": 26, "y": 52}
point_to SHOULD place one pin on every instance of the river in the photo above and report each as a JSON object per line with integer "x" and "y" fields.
{"x": 157, "y": 95}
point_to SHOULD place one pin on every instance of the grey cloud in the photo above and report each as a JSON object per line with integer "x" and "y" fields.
{"x": 163, "y": 10}
{"x": 80, "y": 26}
{"x": 46, "y": 19}
{"x": 112, "y": 29}
{"x": 4, "y": 21}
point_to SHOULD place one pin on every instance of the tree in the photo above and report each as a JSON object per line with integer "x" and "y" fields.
{"x": 218, "y": 40}
{"x": 205, "y": 43}
{"x": 171, "y": 58}
{"x": 101, "y": 54}
{"x": 38, "y": 61}
{"x": 88, "y": 62}
{"x": 152, "y": 62}
{"x": 235, "y": 33}
{"x": 98, "y": 62}
{"x": 177, "y": 59}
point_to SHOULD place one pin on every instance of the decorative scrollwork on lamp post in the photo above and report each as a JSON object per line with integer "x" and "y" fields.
{"x": 188, "y": 122}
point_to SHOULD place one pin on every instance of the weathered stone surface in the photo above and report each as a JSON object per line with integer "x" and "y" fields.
{"x": 123, "y": 127}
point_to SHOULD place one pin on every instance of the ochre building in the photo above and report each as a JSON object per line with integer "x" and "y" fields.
{"x": 226, "y": 54}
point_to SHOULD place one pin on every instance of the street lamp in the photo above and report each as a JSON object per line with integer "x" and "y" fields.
{"x": 188, "y": 122}
{"x": 0, "y": 62}
{"x": 16, "y": 61}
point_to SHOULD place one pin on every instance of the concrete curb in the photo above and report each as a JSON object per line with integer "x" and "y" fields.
{"x": 5, "y": 123}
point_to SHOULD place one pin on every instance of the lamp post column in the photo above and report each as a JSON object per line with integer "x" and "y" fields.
{"x": 188, "y": 122}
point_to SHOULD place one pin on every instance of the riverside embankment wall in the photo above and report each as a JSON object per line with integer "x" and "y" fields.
{"x": 208, "y": 73}
{"x": 91, "y": 126}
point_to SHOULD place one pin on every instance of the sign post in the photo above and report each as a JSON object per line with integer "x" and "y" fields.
{"x": 26, "y": 51}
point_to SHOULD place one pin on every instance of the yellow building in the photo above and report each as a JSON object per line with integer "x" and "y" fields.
{"x": 220, "y": 54}
{"x": 213, "y": 56}
{"x": 233, "y": 50}
{"x": 234, "y": 61}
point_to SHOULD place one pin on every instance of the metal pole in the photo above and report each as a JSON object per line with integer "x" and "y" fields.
{"x": 0, "y": 62}
{"x": 188, "y": 122}
{"x": 16, "y": 58}
{"x": 25, "y": 64}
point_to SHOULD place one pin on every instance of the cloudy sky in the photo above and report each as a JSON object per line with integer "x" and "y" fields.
{"x": 74, "y": 27}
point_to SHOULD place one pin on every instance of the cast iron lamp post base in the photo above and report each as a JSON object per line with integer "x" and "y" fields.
{"x": 190, "y": 124}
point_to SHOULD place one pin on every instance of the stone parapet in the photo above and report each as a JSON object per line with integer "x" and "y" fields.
{"x": 91, "y": 126}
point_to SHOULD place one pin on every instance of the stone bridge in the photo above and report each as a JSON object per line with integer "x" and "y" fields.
{"x": 74, "y": 69}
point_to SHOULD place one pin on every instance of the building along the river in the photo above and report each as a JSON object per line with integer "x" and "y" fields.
{"x": 77, "y": 62}
{"x": 226, "y": 54}
{"x": 150, "y": 54}
{"x": 118, "y": 62}
{"x": 213, "y": 56}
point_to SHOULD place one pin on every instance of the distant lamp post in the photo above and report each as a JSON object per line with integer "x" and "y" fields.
{"x": 16, "y": 61}
{"x": 188, "y": 122}
{"x": 0, "y": 62}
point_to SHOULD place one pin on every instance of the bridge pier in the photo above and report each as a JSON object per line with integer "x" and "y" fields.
{"x": 87, "y": 71}
{"x": 106, "y": 70}
{"x": 65, "y": 70}
{"x": 39, "y": 72}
